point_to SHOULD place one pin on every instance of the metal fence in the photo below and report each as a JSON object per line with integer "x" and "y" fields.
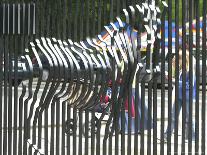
{"x": 103, "y": 77}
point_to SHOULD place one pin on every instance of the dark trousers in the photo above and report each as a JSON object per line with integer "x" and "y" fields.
{"x": 186, "y": 122}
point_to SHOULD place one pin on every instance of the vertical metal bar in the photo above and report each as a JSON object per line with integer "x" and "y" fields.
{"x": 20, "y": 40}
{"x": 107, "y": 11}
{"x": 93, "y": 131}
{"x": 37, "y": 26}
{"x": 64, "y": 4}
{"x": 169, "y": 75}
{"x": 25, "y": 40}
{"x": 57, "y": 127}
{"x": 133, "y": 3}
{"x": 127, "y": 3}
{"x": 114, "y": 85}
{"x": 197, "y": 122}
{"x": 15, "y": 81}
{"x": 54, "y": 19}
{"x": 191, "y": 74}
{"x": 49, "y": 18}
{"x": 54, "y": 26}
{"x": 27, "y": 20}
{"x": 124, "y": 4}
{"x": 1, "y": 95}
{"x": 156, "y": 58}
{"x": 43, "y": 14}
{"x": 87, "y": 18}
{"x": 74, "y": 130}
{"x": 183, "y": 76}
{"x": 149, "y": 121}
{"x": 52, "y": 144}
{"x": 162, "y": 82}
{"x": 111, "y": 10}
{"x": 117, "y": 8}
{"x": 26, "y": 103}
{"x": 63, "y": 128}
{"x": 203, "y": 139}
{"x": 104, "y": 13}
{"x": 93, "y": 17}
{"x": 148, "y": 53}
{"x": 122, "y": 129}
{"x": 5, "y": 95}
{"x": 99, "y": 12}
{"x": 68, "y": 134}
{"x": 129, "y": 137}
{"x": 22, "y": 27}
{"x": 1, "y": 82}
{"x": 110, "y": 143}
{"x": 110, "y": 130}
{"x": 142, "y": 116}
{"x": 76, "y": 15}
{"x": 176, "y": 74}
{"x": 5, "y": 86}
{"x": 69, "y": 19}
{"x": 39, "y": 130}
{"x": 86, "y": 131}
{"x": 80, "y": 152}
{"x": 137, "y": 124}
{"x": 34, "y": 27}
{"x": 116, "y": 121}
{"x": 20, "y": 148}
{"x": 34, "y": 131}
{"x": 155, "y": 117}
{"x": 59, "y": 21}
{"x": 10, "y": 87}
{"x": 81, "y": 19}
{"x": 98, "y": 143}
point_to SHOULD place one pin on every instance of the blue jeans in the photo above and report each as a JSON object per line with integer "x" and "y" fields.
{"x": 145, "y": 125}
{"x": 187, "y": 119}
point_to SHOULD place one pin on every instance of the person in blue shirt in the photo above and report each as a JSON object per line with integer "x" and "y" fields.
{"x": 180, "y": 96}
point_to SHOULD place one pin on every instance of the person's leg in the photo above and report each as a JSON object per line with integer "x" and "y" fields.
{"x": 187, "y": 118}
{"x": 171, "y": 127}
{"x": 187, "y": 121}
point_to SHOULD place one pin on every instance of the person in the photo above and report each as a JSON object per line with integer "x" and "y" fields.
{"x": 180, "y": 96}
{"x": 139, "y": 112}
